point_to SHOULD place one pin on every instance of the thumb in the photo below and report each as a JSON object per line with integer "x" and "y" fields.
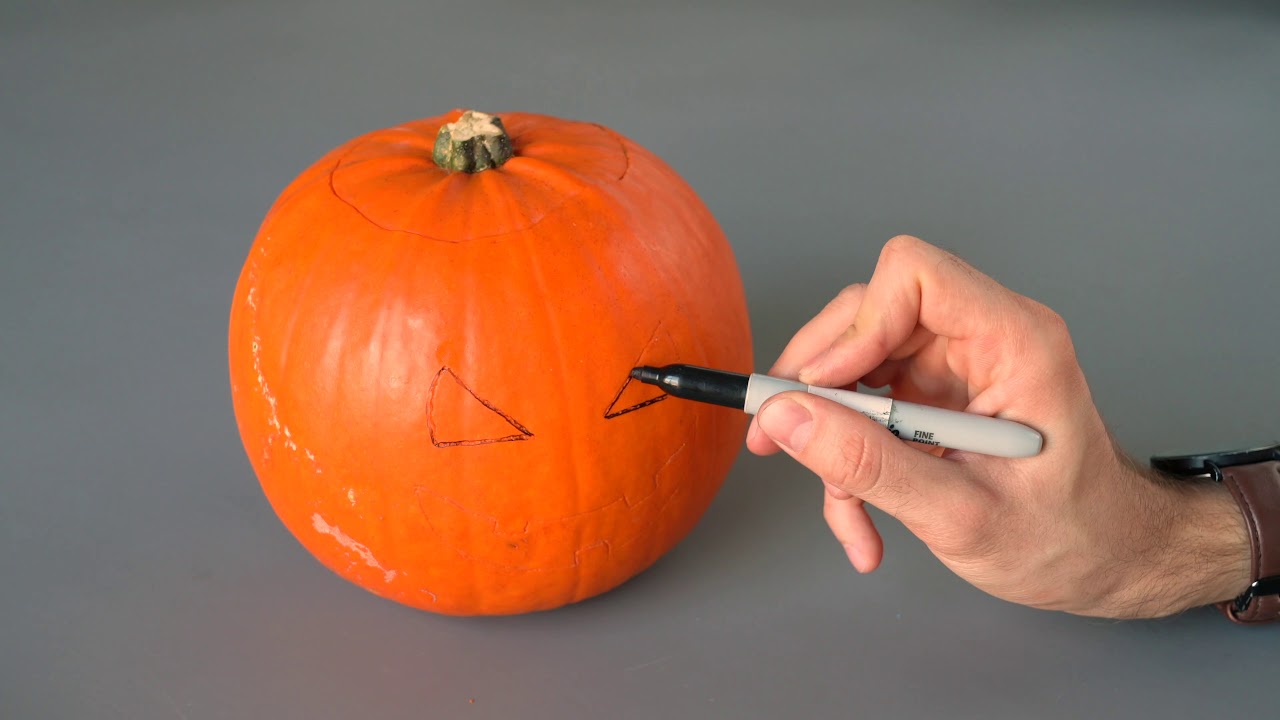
{"x": 852, "y": 452}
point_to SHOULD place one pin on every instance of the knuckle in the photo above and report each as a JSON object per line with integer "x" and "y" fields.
{"x": 847, "y": 338}
{"x": 901, "y": 244}
{"x": 900, "y": 250}
{"x": 1051, "y": 329}
{"x": 876, "y": 343}
{"x": 850, "y": 295}
{"x": 855, "y": 465}
{"x": 848, "y": 299}
{"x": 1052, "y": 322}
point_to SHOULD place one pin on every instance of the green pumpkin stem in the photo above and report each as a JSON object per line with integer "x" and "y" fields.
{"x": 476, "y": 142}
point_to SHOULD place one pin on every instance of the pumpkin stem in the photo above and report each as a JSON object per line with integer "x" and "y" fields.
{"x": 476, "y": 142}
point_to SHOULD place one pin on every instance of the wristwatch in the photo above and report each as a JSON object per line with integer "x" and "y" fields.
{"x": 1253, "y": 477}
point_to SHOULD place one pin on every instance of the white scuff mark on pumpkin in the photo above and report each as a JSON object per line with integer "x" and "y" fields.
{"x": 288, "y": 438}
{"x": 347, "y": 542}
{"x": 433, "y": 595}
{"x": 273, "y": 415}
{"x": 351, "y": 496}
{"x": 273, "y": 419}
{"x": 252, "y": 299}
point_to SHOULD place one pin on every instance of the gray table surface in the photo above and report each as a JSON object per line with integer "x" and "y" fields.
{"x": 1118, "y": 161}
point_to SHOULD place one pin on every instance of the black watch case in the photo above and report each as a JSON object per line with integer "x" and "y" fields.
{"x": 1211, "y": 464}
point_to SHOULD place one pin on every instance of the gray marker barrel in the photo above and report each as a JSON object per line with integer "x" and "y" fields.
{"x": 909, "y": 421}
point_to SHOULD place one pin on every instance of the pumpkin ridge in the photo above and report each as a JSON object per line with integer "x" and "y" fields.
{"x": 492, "y": 523}
{"x": 573, "y": 397}
{"x": 623, "y": 499}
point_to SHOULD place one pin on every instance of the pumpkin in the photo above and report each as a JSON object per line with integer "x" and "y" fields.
{"x": 430, "y": 345}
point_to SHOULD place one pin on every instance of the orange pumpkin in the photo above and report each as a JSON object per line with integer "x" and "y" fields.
{"x": 429, "y": 352}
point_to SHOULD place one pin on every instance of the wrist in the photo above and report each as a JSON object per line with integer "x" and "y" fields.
{"x": 1205, "y": 556}
{"x": 1223, "y": 537}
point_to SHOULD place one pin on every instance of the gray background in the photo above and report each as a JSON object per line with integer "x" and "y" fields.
{"x": 1117, "y": 161}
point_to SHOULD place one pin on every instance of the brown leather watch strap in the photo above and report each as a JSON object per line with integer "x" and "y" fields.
{"x": 1256, "y": 488}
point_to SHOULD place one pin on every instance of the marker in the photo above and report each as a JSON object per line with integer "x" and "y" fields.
{"x": 908, "y": 421}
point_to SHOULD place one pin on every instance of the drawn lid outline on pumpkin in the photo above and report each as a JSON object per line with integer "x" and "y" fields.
{"x": 390, "y": 178}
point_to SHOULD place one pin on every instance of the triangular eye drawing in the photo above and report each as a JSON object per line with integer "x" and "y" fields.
{"x": 633, "y": 394}
{"x": 457, "y": 416}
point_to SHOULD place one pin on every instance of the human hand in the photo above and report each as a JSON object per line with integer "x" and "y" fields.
{"x": 1079, "y": 528}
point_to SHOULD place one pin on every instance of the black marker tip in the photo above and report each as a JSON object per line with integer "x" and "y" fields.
{"x": 696, "y": 383}
{"x": 646, "y": 374}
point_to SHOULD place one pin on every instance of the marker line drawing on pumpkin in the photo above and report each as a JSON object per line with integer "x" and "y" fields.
{"x": 506, "y": 541}
{"x": 611, "y": 413}
{"x": 345, "y": 540}
{"x": 622, "y": 145}
{"x": 641, "y": 359}
{"x": 527, "y": 167}
{"x": 523, "y": 434}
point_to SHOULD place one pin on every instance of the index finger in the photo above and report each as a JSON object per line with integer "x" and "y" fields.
{"x": 816, "y": 335}
{"x": 914, "y": 285}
